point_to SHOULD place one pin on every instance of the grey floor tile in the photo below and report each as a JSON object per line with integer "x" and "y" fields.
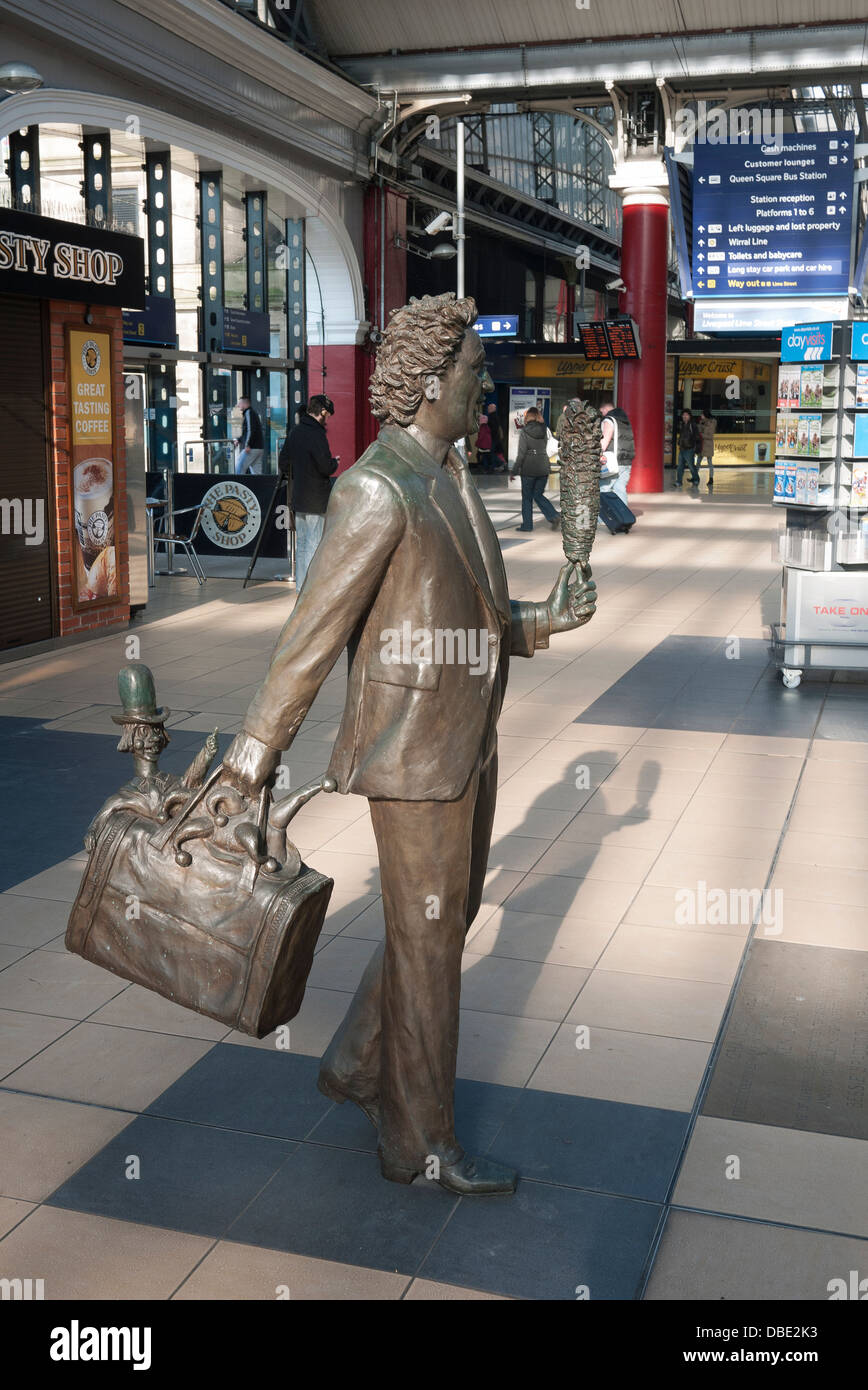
{"x": 634, "y": 1068}
{"x": 794, "y": 1050}
{"x": 773, "y": 1174}
{"x": 30, "y": 922}
{"x": 65, "y": 986}
{"x": 713, "y": 1258}
{"x": 46, "y": 1140}
{"x": 549, "y": 1244}
{"x": 526, "y": 989}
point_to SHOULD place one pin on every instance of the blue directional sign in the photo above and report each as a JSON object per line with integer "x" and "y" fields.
{"x": 154, "y": 325}
{"x": 497, "y": 325}
{"x": 246, "y": 330}
{"x": 773, "y": 218}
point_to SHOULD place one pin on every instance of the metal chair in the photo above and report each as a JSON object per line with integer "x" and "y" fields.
{"x": 171, "y": 537}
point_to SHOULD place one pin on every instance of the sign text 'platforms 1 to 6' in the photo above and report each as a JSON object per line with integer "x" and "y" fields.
{"x": 773, "y": 218}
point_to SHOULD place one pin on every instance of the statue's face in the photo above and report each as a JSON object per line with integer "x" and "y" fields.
{"x": 453, "y": 412}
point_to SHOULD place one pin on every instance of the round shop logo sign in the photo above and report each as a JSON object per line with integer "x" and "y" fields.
{"x": 91, "y": 357}
{"x": 231, "y": 515}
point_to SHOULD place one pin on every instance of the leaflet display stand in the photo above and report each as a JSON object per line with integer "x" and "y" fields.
{"x": 821, "y": 485}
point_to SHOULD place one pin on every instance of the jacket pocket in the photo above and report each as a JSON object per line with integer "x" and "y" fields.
{"x": 415, "y": 675}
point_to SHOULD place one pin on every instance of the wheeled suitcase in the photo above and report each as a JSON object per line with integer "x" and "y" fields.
{"x": 615, "y": 513}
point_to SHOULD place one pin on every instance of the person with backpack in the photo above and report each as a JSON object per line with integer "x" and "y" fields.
{"x": 618, "y": 436}
{"x": 689, "y": 445}
{"x": 618, "y": 451}
{"x": 532, "y": 464}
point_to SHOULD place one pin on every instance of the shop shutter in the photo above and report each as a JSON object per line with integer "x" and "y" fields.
{"x": 25, "y": 570}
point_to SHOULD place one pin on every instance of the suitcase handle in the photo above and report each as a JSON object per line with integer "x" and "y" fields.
{"x": 283, "y": 812}
{"x": 250, "y": 835}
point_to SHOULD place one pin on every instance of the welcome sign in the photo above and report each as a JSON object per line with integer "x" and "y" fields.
{"x": 48, "y": 259}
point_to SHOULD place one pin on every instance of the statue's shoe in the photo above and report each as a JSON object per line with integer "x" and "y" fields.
{"x": 468, "y": 1177}
{"x": 336, "y": 1092}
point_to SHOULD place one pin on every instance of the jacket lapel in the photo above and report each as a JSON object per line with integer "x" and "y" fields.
{"x": 452, "y": 492}
{"x": 486, "y": 536}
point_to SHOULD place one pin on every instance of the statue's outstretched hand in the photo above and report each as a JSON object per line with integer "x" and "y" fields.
{"x": 249, "y": 764}
{"x": 571, "y": 605}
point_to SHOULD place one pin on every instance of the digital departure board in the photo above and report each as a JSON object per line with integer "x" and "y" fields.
{"x": 604, "y": 339}
{"x": 592, "y": 336}
{"x": 623, "y": 336}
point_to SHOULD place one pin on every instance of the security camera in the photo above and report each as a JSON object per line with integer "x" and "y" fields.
{"x": 439, "y": 223}
{"x": 616, "y": 284}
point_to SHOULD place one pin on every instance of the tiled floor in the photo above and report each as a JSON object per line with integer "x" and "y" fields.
{"x": 663, "y": 1021}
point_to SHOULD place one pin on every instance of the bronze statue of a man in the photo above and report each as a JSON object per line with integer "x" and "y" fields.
{"x": 409, "y": 548}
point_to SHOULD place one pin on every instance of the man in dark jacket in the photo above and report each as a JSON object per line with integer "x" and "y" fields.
{"x": 251, "y": 441}
{"x": 689, "y": 444}
{"x": 532, "y": 466}
{"x": 307, "y": 455}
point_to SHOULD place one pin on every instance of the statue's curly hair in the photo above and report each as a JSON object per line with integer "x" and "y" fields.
{"x": 422, "y": 337}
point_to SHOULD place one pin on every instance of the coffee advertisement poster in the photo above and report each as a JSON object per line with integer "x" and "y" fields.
{"x": 92, "y": 491}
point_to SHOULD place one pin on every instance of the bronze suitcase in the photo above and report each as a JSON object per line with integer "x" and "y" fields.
{"x": 214, "y": 911}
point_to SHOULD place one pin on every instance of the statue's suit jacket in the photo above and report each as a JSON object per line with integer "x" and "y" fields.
{"x": 406, "y": 541}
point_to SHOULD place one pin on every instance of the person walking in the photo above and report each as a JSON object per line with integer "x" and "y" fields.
{"x": 251, "y": 440}
{"x": 307, "y": 456}
{"x": 497, "y": 451}
{"x": 689, "y": 443}
{"x": 532, "y": 466}
{"x": 707, "y": 431}
{"x": 618, "y": 435}
{"x": 484, "y": 445}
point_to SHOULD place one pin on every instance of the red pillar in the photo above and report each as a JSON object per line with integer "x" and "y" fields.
{"x": 641, "y": 385}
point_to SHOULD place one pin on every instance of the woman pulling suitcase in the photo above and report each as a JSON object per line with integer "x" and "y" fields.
{"x": 616, "y": 463}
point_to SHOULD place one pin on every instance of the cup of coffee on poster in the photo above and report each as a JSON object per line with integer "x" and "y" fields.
{"x": 93, "y": 507}
{"x": 93, "y": 487}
